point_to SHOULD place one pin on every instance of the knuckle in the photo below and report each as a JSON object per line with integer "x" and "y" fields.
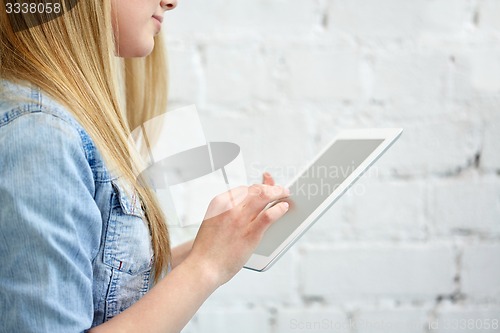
{"x": 266, "y": 217}
{"x": 255, "y": 190}
{"x": 263, "y": 194}
{"x": 277, "y": 189}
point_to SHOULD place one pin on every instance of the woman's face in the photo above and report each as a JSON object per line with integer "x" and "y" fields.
{"x": 135, "y": 23}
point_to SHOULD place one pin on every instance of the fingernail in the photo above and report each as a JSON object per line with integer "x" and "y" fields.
{"x": 287, "y": 191}
{"x": 286, "y": 204}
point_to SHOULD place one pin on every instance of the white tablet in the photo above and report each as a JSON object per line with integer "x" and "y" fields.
{"x": 318, "y": 186}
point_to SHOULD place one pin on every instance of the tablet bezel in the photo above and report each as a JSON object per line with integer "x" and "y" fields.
{"x": 261, "y": 263}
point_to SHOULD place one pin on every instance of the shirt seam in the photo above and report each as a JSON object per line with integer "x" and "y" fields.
{"x": 48, "y": 111}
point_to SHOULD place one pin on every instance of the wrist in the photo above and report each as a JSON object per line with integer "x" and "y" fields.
{"x": 206, "y": 272}
{"x": 180, "y": 252}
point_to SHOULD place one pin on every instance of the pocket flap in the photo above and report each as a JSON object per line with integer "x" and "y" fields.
{"x": 128, "y": 246}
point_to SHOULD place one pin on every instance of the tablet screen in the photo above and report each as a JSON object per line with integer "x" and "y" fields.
{"x": 315, "y": 185}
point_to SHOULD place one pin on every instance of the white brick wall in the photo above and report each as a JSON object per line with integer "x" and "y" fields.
{"x": 231, "y": 18}
{"x": 369, "y": 270}
{"x": 467, "y": 205}
{"x": 398, "y": 214}
{"x": 324, "y": 73}
{"x": 386, "y": 319}
{"x": 311, "y": 320}
{"x": 480, "y": 276}
{"x": 465, "y": 318}
{"x": 227, "y": 68}
{"x": 490, "y": 158}
{"x": 231, "y": 319}
{"x": 487, "y": 15}
{"x": 415, "y": 245}
{"x": 276, "y": 285}
{"x": 385, "y": 19}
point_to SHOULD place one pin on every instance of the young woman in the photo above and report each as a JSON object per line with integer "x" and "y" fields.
{"x": 84, "y": 246}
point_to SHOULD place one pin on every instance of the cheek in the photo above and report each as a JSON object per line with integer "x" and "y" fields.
{"x": 133, "y": 31}
{"x": 137, "y": 42}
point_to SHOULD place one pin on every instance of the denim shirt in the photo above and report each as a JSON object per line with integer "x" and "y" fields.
{"x": 75, "y": 249}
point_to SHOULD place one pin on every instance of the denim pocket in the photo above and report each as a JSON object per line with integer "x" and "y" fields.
{"x": 127, "y": 246}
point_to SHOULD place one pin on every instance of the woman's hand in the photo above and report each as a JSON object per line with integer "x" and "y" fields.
{"x": 233, "y": 227}
{"x": 180, "y": 252}
{"x": 267, "y": 179}
{"x": 222, "y": 246}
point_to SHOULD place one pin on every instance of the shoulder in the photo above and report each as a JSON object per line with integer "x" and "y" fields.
{"x": 28, "y": 113}
{"x": 27, "y": 104}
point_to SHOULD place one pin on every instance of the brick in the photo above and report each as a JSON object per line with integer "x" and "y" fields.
{"x": 437, "y": 146}
{"x": 359, "y": 271}
{"x": 397, "y": 19}
{"x": 411, "y": 112}
{"x": 184, "y": 73}
{"x": 480, "y": 275}
{"x": 324, "y": 73}
{"x": 476, "y": 73}
{"x": 375, "y": 18}
{"x": 233, "y": 319}
{"x": 199, "y": 17}
{"x": 407, "y": 75}
{"x": 323, "y": 121}
{"x": 374, "y": 209}
{"x": 389, "y": 209}
{"x": 466, "y": 205}
{"x": 488, "y": 17}
{"x": 278, "y": 283}
{"x": 312, "y": 320}
{"x": 444, "y": 18}
{"x": 408, "y": 320}
{"x": 490, "y": 154}
{"x": 241, "y": 73}
{"x": 466, "y": 318}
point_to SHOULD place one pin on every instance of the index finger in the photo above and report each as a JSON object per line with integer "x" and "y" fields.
{"x": 267, "y": 178}
{"x": 259, "y": 196}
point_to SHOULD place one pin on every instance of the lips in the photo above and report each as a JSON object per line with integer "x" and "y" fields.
{"x": 159, "y": 18}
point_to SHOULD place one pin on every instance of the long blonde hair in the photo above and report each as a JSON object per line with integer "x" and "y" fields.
{"x": 72, "y": 58}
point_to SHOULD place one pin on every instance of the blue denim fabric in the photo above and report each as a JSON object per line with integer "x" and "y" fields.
{"x": 74, "y": 247}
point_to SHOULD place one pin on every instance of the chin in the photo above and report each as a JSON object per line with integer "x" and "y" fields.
{"x": 138, "y": 51}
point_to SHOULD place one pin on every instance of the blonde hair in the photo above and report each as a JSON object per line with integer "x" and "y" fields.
{"x": 72, "y": 58}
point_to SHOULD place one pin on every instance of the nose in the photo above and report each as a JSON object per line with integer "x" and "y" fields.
{"x": 168, "y": 4}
